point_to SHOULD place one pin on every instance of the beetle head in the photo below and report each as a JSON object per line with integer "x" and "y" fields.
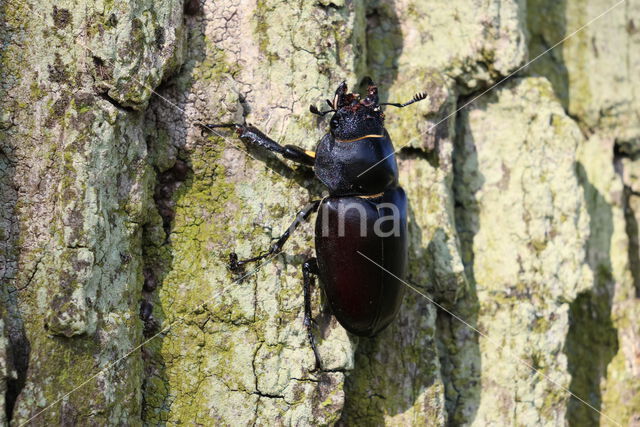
{"x": 354, "y": 117}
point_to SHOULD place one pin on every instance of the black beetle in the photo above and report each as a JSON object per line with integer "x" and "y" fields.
{"x": 356, "y": 161}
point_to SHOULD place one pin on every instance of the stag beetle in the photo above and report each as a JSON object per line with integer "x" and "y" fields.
{"x": 364, "y": 214}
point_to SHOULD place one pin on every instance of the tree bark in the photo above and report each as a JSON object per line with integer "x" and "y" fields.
{"x": 118, "y": 215}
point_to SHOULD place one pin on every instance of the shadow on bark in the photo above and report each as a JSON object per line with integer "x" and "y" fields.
{"x": 592, "y": 339}
{"x": 459, "y": 345}
{"x": 384, "y": 42}
{"x": 166, "y": 130}
{"x": 546, "y": 22}
{"x": 17, "y": 346}
{"x": 630, "y": 206}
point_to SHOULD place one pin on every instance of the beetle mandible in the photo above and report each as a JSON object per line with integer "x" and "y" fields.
{"x": 356, "y": 161}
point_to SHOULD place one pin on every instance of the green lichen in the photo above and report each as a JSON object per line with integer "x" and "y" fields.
{"x": 194, "y": 233}
{"x": 239, "y": 353}
{"x": 262, "y": 29}
{"x": 85, "y": 201}
{"x": 519, "y": 255}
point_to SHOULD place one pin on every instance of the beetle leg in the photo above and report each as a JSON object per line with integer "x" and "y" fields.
{"x": 303, "y": 215}
{"x": 253, "y": 136}
{"x": 299, "y": 155}
{"x": 309, "y": 270}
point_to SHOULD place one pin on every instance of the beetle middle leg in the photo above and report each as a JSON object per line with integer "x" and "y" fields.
{"x": 236, "y": 265}
{"x": 309, "y": 271}
{"x": 252, "y": 135}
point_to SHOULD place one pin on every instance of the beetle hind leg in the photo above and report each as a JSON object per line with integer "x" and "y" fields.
{"x": 309, "y": 271}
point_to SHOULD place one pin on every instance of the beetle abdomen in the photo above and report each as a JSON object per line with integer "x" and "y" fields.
{"x": 363, "y": 297}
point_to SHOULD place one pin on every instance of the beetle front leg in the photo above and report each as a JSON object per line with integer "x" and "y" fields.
{"x": 303, "y": 215}
{"x": 252, "y": 135}
{"x": 309, "y": 271}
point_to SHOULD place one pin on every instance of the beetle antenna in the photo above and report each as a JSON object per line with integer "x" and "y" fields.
{"x": 416, "y": 98}
{"x": 317, "y": 112}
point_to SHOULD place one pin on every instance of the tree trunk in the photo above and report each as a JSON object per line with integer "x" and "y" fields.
{"x": 118, "y": 215}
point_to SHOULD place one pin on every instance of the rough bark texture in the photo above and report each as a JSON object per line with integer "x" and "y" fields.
{"x": 524, "y": 212}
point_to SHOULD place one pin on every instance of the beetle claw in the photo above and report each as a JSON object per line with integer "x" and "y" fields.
{"x": 315, "y": 110}
{"x": 318, "y": 365}
{"x": 203, "y": 128}
{"x": 234, "y": 264}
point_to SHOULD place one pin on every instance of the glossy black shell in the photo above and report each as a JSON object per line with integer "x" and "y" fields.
{"x": 338, "y": 165}
{"x": 363, "y": 222}
{"x": 363, "y": 297}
